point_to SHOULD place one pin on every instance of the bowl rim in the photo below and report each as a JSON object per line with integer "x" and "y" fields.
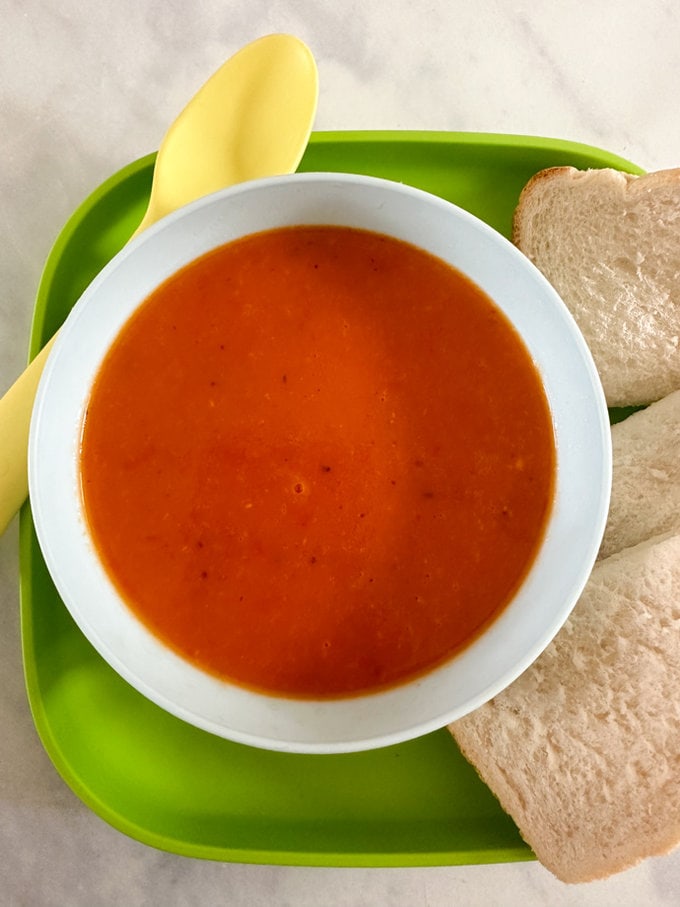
{"x": 62, "y": 534}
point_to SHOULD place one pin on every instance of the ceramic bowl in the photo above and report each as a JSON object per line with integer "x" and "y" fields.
{"x": 513, "y": 640}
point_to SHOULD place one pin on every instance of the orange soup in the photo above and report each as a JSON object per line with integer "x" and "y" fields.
{"x": 317, "y": 461}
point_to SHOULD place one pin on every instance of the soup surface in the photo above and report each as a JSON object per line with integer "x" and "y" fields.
{"x": 317, "y": 461}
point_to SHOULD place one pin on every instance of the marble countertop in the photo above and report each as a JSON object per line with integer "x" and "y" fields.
{"x": 87, "y": 88}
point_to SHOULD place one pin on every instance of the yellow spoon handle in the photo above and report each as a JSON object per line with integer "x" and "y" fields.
{"x": 15, "y": 418}
{"x": 252, "y": 118}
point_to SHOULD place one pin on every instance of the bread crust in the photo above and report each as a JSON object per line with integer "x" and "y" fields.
{"x": 543, "y": 177}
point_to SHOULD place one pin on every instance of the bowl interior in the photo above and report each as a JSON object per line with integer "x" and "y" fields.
{"x": 522, "y": 630}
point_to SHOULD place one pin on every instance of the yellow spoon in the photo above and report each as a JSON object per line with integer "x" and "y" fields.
{"x": 251, "y": 119}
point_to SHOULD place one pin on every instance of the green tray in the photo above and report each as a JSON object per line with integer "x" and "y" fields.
{"x": 170, "y": 785}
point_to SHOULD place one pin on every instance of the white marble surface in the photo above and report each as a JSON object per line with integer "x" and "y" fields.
{"x": 86, "y": 88}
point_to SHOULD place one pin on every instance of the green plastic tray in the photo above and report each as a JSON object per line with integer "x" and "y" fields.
{"x": 162, "y": 781}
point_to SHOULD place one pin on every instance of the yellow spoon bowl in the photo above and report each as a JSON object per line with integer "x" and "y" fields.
{"x": 251, "y": 119}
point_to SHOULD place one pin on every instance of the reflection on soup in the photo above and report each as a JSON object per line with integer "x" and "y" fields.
{"x": 317, "y": 461}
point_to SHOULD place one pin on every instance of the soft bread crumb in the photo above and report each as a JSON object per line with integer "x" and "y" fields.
{"x": 583, "y": 750}
{"x": 645, "y": 499}
{"x": 609, "y": 243}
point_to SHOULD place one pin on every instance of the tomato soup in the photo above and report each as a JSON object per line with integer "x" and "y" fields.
{"x": 317, "y": 461}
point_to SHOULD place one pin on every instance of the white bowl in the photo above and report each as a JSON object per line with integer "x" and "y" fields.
{"x": 513, "y": 640}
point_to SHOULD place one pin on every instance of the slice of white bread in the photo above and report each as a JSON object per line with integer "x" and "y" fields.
{"x": 609, "y": 243}
{"x": 583, "y": 750}
{"x": 645, "y": 498}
